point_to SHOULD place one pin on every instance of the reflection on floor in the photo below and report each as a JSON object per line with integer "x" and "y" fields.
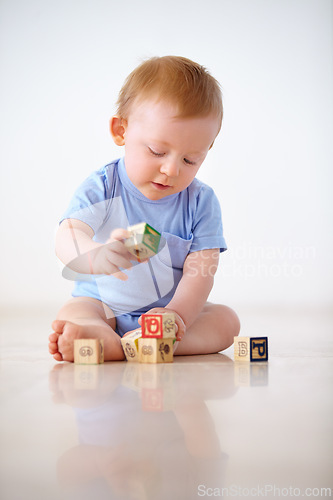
{"x": 203, "y": 426}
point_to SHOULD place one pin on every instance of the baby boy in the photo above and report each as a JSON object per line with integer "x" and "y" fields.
{"x": 169, "y": 113}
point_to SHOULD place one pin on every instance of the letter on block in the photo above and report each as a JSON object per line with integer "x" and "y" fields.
{"x": 143, "y": 242}
{"x": 251, "y": 348}
{"x": 88, "y": 351}
{"x": 157, "y": 326}
{"x": 130, "y": 345}
{"x": 155, "y": 350}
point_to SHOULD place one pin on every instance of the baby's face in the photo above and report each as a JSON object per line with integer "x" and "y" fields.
{"x": 162, "y": 152}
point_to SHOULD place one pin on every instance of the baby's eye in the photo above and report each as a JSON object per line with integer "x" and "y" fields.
{"x": 189, "y": 162}
{"x": 155, "y": 153}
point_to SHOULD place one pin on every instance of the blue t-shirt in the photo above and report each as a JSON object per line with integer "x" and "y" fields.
{"x": 188, "y": 221}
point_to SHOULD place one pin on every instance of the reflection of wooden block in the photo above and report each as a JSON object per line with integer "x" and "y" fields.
{"x": 250, "y": 348}
{"x": 157, "y": 386}
{"x": 89, "y": 351}
{"x": 242, "y": 374}
{"x": 130, "y": 345}
{"x": 255, "y": 374}
{"x": 149, "y": 375}
{"x": 155, "y": 350}
{"x": 143, "y": 242}
{"x": 86, "y": 377}
{"x": 159, "y": 326}
{"x": 259, "y": 374}
{"x": 152, "y": 399}
{"x": 158, "y": 399}
{"x": 131, "y": 376}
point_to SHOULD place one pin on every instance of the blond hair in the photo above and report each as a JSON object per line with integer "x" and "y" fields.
{"x": 179, "y": 80}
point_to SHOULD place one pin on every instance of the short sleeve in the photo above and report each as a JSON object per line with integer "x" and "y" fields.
{"x": 207, "y": 223}
{"x": 91, "y": 200}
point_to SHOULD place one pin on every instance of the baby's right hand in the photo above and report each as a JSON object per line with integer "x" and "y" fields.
{"x": 113, "y": 256}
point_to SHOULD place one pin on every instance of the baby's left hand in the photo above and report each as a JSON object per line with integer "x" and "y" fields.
{"x": 180, "y": 325}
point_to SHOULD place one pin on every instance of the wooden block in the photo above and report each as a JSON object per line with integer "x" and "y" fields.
{"x": 251, "y": 348}
{"x": 130, "y": 345}
{"x": 143, "y": 242}
{"x": 152, "y": 350}
{"x": 258, "y": 349}
{"x": 88, "y": 351}
{"x": 242, "y": 348}
{"x": 169, "y": 325}
{"x": 159, "y": 326}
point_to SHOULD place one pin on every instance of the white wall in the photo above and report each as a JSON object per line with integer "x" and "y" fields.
{"x": 62, "y": 64}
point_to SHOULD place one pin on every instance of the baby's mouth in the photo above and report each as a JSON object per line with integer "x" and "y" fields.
{"x": 160, "y": 187}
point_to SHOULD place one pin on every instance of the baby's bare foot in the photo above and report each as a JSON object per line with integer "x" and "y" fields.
{"x": 61, "y": 341}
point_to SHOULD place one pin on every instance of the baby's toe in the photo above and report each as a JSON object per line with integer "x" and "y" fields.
{"x": 53, "y": 347}
{"x": 58, "y": 325}
{"x": 57, "y": 356}
{"x": 53, "y": 337}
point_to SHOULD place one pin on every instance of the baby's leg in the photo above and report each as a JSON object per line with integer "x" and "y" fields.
{"x": 213, "y": 331}
{"x": 84, "y": 317}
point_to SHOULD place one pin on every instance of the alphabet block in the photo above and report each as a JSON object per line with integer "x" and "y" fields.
{"x": 143, "y": 242}
{"x": 88, "y": 351}
{"x": 250, "y": 348}
{"x": 130, "y": 345}
{"x": 159, "y": 326}
{"x": 152, "y": 350}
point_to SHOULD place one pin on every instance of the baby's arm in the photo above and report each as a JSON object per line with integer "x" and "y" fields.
{"x": 77, "y": 250}
{"x": 194, "y": 288}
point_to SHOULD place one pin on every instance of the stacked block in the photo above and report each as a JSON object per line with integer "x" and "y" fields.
{"x": 154, "y": 343}
{"x": 143, "y": 242}
{"x": 159, "y": 326}
{"x": 251, "y": 349}
{"x": 153, "y": 350}
{"x": 130, "y": 345}
{"x": 89, "y": 351}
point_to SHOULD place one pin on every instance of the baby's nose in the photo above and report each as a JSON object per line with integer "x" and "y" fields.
{"x": 171, "y": 168}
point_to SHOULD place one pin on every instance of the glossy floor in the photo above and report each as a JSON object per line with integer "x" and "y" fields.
{"x": 203, "y": 426}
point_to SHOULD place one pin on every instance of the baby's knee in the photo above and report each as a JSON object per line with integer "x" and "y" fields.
{"x": 231, "y": 324}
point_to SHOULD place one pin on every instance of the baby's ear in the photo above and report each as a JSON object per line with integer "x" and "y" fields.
{"x": 117, "y": 129}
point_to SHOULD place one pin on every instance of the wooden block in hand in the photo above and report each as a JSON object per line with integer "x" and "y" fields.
{"x": 88, "y": 351}
{"x": 130, "y": 345}
{"x": 152, "y": 350}
{"x": 159, "y": 326}
{"x": 251, "y": 349}
{"x": 143, "y": 242}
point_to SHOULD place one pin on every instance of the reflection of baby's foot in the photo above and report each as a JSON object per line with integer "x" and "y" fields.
{"x": 61, "y": 341}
